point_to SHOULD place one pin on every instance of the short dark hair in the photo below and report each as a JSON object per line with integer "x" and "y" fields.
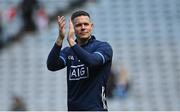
{"x": 79, "y": 13}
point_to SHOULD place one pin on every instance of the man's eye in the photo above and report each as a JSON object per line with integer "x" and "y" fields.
{"x": 78, "y": 25}
{"x": 86, "y": 24}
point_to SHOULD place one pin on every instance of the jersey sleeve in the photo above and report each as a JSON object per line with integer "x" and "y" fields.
{"x": 57, "y": 58}
{"x": 100, "y": 56}
{"x": 105, "y": 51}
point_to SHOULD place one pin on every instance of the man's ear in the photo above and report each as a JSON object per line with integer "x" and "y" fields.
{"x": 92, "y": 25}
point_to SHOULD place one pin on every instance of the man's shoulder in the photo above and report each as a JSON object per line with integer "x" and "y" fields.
{"x": 101, "y": 43}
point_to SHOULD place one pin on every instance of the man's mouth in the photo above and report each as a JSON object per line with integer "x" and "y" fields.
{"x": 83, "y": 33}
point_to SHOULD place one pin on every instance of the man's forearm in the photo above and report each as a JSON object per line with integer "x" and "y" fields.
{"x": 71, "y": 42}
{"x": 59, "y": 41}
{"x": 54, "y": 62}
{"x": 89, "y": 59}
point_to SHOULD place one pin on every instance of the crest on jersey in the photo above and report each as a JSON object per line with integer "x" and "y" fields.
{"x": 70, "y": 57}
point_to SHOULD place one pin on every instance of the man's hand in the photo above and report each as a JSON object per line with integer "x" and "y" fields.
{"x": 62, "y": 23}
{"x": 70, "y": 38}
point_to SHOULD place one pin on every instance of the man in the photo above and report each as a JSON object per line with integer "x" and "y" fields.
{"x": 88, "y": 63}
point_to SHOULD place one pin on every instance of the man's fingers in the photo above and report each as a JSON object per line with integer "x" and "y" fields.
{"x": 61, "y": 20}
{"x": 71, "y": 26}
{"x": 71, "y": 30}
{"x": 63, "y": 25}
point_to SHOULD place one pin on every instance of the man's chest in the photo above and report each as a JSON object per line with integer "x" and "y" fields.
{"x": 76, "y": 69}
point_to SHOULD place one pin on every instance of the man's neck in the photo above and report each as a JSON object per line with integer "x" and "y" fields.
{"x": 83, "y": 41}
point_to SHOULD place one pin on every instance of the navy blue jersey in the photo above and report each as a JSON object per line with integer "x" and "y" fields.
{"x": 88, "y": 67}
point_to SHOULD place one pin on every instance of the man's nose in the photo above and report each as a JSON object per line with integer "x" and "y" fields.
{"x": 82, "y": 27}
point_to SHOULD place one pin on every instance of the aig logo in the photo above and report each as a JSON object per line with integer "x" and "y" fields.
{"x": 78, "y": 72}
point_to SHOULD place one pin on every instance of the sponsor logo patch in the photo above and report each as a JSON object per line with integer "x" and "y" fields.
{"x": 78, "y": 72}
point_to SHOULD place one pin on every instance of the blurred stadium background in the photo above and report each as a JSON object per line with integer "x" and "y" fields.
{"x": 145, "y": 38}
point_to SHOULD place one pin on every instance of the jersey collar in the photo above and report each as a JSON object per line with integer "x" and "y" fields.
{"x": 89, "y": 41}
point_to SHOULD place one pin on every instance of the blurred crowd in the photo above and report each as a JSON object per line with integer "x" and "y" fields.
{"x": 29, "y": 16}
{"x": 18, "y": 104}
{"x": 119, "y": 83}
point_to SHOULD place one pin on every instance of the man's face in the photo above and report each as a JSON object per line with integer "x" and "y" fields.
{"x": 83, "y": 27}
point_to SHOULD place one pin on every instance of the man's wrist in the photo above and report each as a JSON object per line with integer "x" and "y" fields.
{"x": 59, "y": 41}
{"x": 71, "y": 43}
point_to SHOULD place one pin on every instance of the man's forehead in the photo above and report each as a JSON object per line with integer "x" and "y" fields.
{"x": 81, "y": 19}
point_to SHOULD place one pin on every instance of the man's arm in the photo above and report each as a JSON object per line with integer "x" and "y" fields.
{"x": 55, "y": 61}
{"x": 102, "y": 55}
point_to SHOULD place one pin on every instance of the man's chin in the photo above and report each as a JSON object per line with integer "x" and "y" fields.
{"x": 84, "y": 37}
